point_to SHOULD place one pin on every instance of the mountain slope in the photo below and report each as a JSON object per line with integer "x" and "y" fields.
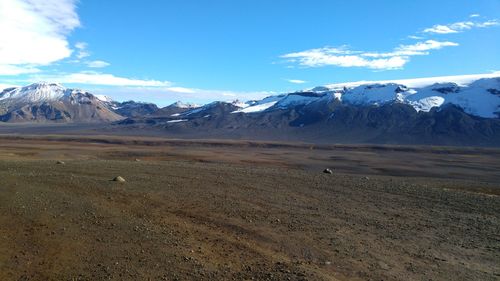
{"x": 133, "y": 109}
{"x": 440, "y": 113}
{"x": 445, "y": 113}
{"x": 49, "y": 102}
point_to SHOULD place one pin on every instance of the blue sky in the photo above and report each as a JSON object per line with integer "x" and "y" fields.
{"x": 163, "y": 51}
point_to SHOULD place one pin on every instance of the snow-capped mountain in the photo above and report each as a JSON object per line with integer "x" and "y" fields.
{"x": 175, "y": 109}
{"x": 480, "y": 98}
{"x": 435, "y": 113}
{"x": 38, "y": 92}
{"x": 131, "y": 108}
{"x": 439, "y": 113}
{"x": 51, "y": 102}
{"x": 477, "y": 98}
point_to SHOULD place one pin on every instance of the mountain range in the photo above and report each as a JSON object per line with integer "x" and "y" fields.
{"x": 439, "y": 113}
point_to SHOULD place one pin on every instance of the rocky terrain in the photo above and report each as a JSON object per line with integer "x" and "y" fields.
{"x": 231, "y": 210}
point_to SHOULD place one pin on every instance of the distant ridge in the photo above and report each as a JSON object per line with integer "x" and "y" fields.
{"x": 439, "y": 113}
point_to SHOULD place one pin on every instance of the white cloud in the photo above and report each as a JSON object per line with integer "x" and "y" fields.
{"x": 194, "y": 93}
{"x": 163, "y": 96}
{"x": 422, "y": 82}
{"x": 460, "y": 26}
{"x": 373, "y": 60}
{"x": 181, "y": 90}
{"x": 488, "y": 23}
{"x": 417, "y": 49}
{"x": 6, "y": 69}
{"x": 296, "y": 81}
{"x": 82, "y": 50}
{"x": 440, "y": 29}
{"x": 331, "y": 56}
{"x": 396, "y": 59}
{"x": 424, "y": 46}
{"x": 81, "y": 45}
{"x": 474, "y": 15}
{"x": 97, "y": 64}
{"x": 33, "y": 33}
{"x": 96, "y": 78}
{"x": 415, "y": 37}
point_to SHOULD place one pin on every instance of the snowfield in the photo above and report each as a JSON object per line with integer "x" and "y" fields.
{"x": 479, "y": 97}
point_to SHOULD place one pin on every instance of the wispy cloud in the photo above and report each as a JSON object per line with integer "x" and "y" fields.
{"x": 34, "y": 33}
{"x": 7, "y": 69}
{"x": 415, "y": 37}
{"x": 296, "y": 81}
{"x": 417, "y": 49}
{"x": 459, "y": 26}
{"x": 96, "y": 78}
{"x": 166, "y": 95}
{"x": 82, "y": 50}
{"x": 395, "y": 59}
{"x": 330, "y": 56}
{"x": 343, "y": 57}
{"x": 181, "y": 90}
{"x": 97, "y": 64}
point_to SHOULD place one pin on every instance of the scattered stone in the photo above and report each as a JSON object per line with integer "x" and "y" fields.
{"x": 119, "y": 179}
{"x": 137, "y": 160}
{"x": 327, "y": 171}
{"x": 366, "y": 178}
{"x": 60, "y": 162}
{"x": 383, "y": 265}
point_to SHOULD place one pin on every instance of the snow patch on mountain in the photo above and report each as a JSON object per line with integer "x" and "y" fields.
{"x": 37, "y": 92}
{"x": 296, "y": 99}
{"x": 183, "y": 105}
{"x": 256, "y": 108}
{"x": 104, "y": 98}
{"x": 480, "y": 98}
{"x": 375, "y": 94}
{"x": 261, "y": 105}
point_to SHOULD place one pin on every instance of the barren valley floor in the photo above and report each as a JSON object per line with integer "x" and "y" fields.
{"x": 238, "y": 210}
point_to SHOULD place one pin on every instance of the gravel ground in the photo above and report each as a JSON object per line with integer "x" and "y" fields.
{"x": 181, "y": 219}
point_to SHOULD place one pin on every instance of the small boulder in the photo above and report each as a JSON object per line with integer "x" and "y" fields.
{"x": 137, "y": 160}
{"x": 119, "y": 179}
{"x": 60, "y": 162}
{"x": 327, "y": 171}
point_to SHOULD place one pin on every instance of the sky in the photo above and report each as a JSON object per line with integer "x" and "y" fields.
{"x": 200, "y": 51}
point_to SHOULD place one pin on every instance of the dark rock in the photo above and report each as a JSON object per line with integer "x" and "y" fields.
{"x": 327, "y": 171}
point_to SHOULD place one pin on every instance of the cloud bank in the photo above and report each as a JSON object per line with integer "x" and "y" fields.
{"x": 34, "y": 33}
{"x": 344, "y": 57}
{"x": 97, "y": 78}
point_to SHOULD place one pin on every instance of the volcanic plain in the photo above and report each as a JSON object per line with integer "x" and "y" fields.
{"x": 245, "y": 210}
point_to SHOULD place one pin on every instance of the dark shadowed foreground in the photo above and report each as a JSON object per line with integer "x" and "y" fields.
{"x": 211, "y": 210}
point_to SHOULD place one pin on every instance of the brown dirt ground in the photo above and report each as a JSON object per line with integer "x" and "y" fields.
{"x": 236, "y": 210}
